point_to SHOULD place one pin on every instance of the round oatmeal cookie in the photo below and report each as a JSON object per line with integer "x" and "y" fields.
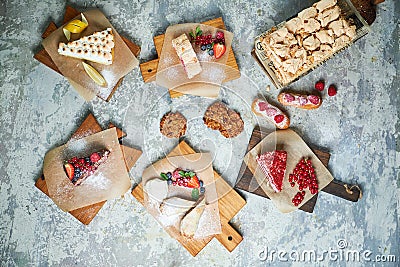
{"x": 173, "y": 125}
{"x": 219, "y": 117}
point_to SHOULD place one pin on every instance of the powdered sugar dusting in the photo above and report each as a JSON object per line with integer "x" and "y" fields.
{"x": 97, "y": 181}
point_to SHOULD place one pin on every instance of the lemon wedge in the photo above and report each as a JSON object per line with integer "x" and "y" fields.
{"x": 94, "y": 74}
{"x": 84, "y": 20}
{"x": 75, "y": 26}
{"x": 67, "y": 34}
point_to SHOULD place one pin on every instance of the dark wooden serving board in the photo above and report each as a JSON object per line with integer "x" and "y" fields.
{"x": 336, "y": 187}
{"x": 43, "y": 57}
{"x": 90, "y": 126}
{"x": 149, "y": 69}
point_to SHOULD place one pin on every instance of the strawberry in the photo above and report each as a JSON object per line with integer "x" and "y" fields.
{"x": 219, "y": 50}
{"x": 332, "y": 90}
{"x": 320, "y": 85}
{"x": 69, "y": 169}
{"x": 193, "y": 182}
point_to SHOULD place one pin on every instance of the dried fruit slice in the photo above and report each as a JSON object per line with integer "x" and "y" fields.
{"x": 94, "y": 74}
{"x": 273, "y": 165}
{"x": 76, "y": 26}
{"x": 67, "y": 34}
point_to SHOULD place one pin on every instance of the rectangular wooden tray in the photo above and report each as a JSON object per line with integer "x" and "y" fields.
{"x": 149, "y": 69}
{"x": 335, "y": 188}
{"x": 90, "y": 126}
{"x": 230, "y": 203}
{"x": 43, "y": 57}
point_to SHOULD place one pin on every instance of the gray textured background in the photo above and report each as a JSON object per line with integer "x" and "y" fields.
{"x": 39, "y": 110}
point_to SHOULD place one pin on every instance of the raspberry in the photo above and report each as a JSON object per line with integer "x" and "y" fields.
{"x": 95, "y": 157}
{"x": 332, "y": 90}
{"x": 320, "y": 85}
{"x": 279, "y": 118}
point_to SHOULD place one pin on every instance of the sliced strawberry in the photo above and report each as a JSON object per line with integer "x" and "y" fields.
{"x": 69, "y": 169}
{"x": 219, "y": 50}
{"x": 193, "y": 182}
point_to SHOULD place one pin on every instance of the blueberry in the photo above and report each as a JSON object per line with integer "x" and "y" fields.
{"x": 211, "y": 52}
{"x": 209, "y": 46}
{"x": 169, "y": 175}
{"x": 203, "y": 48}
{"x": 169, "y": 181}
{"x": 87, "y": 159}
{"x": 202, "y": 190}
{"x": 201, "y": 183}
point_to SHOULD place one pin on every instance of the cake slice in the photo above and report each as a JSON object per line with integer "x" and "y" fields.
{"x": 78, "y": 169}
{"x": 187, "y": 56}
{"x": 98, "y": 47}
{"x": 273, "y": 165}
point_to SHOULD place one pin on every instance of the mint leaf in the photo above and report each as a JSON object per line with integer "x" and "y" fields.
{"x": 182, "y": 173}
{"x": 164, "y": 176}
{"x": 191, "y": 174}
{"x": 198, "y": 31}
{"x": 195, "y": 194}
{"x": 191, "y": 35}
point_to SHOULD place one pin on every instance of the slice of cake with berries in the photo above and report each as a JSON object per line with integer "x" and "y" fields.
{"x": 187, "y": 55}
{"x": 273, "y": 165}
{"x": 98, "y": 47}
{"x": 79, "y": 169}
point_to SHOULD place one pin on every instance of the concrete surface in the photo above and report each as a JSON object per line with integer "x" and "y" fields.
{"x": 39, "y": 110}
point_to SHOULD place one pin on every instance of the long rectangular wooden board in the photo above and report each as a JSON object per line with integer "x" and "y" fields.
{"x": 90, "y": 126}
{"x": 336, "y": 187}
{"x": 43, "y": 57}
{"x": 229, "y": 203}
{"x": 149, "y": 69}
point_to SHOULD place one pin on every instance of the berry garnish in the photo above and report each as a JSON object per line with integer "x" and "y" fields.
{"x": 95, "y": 157}
{"x": 219, "y": 50}
{"x": 211, "y": 52}
{"x": 69, "y": 169}
{"x": 320, "y": 85}
{"x": 314, "y": 99}
{"x": 203, "y": 48}
{"x": 279, "y": 118}
{"x": 304, "y": 175}
{"x": 182, "y": 178}
{"x": 219, "y": 35}
{"x": 263, "y": 106}
{"x": 332, "y": 90}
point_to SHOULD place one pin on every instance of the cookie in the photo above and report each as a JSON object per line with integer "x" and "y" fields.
{"x": 173, "y": 125}
{"x": 219, "y": 117}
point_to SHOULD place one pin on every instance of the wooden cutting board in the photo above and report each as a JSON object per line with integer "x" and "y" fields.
{"x": 43, "y": 57}
{"x": 335, "y": 188}
{"x": 90, "y": 126}
{"x": 230, "y": 203}
{"x": 149, "y": 69}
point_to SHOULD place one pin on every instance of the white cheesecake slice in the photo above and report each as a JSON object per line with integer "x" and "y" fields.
{"x": 187, "y": 56}
{"x": 98, "y": 47}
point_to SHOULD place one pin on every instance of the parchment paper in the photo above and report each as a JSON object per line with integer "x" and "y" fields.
{"x": 170, "y": 71}
{"x": 71, "y": 68}
{"x": 201, "y": 164}
{"x": 296, "y": 148}
{"x": 109, "y": 181}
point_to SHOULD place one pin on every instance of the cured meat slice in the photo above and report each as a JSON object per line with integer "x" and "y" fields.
{"x": 273, "y": 165}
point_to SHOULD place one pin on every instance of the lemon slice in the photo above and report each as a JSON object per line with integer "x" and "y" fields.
{"x": 75, "y": 26}
{"x": 67, "y": 34}
{"x": 94, "y": 74}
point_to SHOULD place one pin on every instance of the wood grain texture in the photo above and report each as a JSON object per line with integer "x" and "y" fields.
{"x": 43, "y": 57}
{"x": 229, "y": 203}
{"x": 88, "y": 127}
{"x": 149, "y": 69}
{"x": 336, "y": 187}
